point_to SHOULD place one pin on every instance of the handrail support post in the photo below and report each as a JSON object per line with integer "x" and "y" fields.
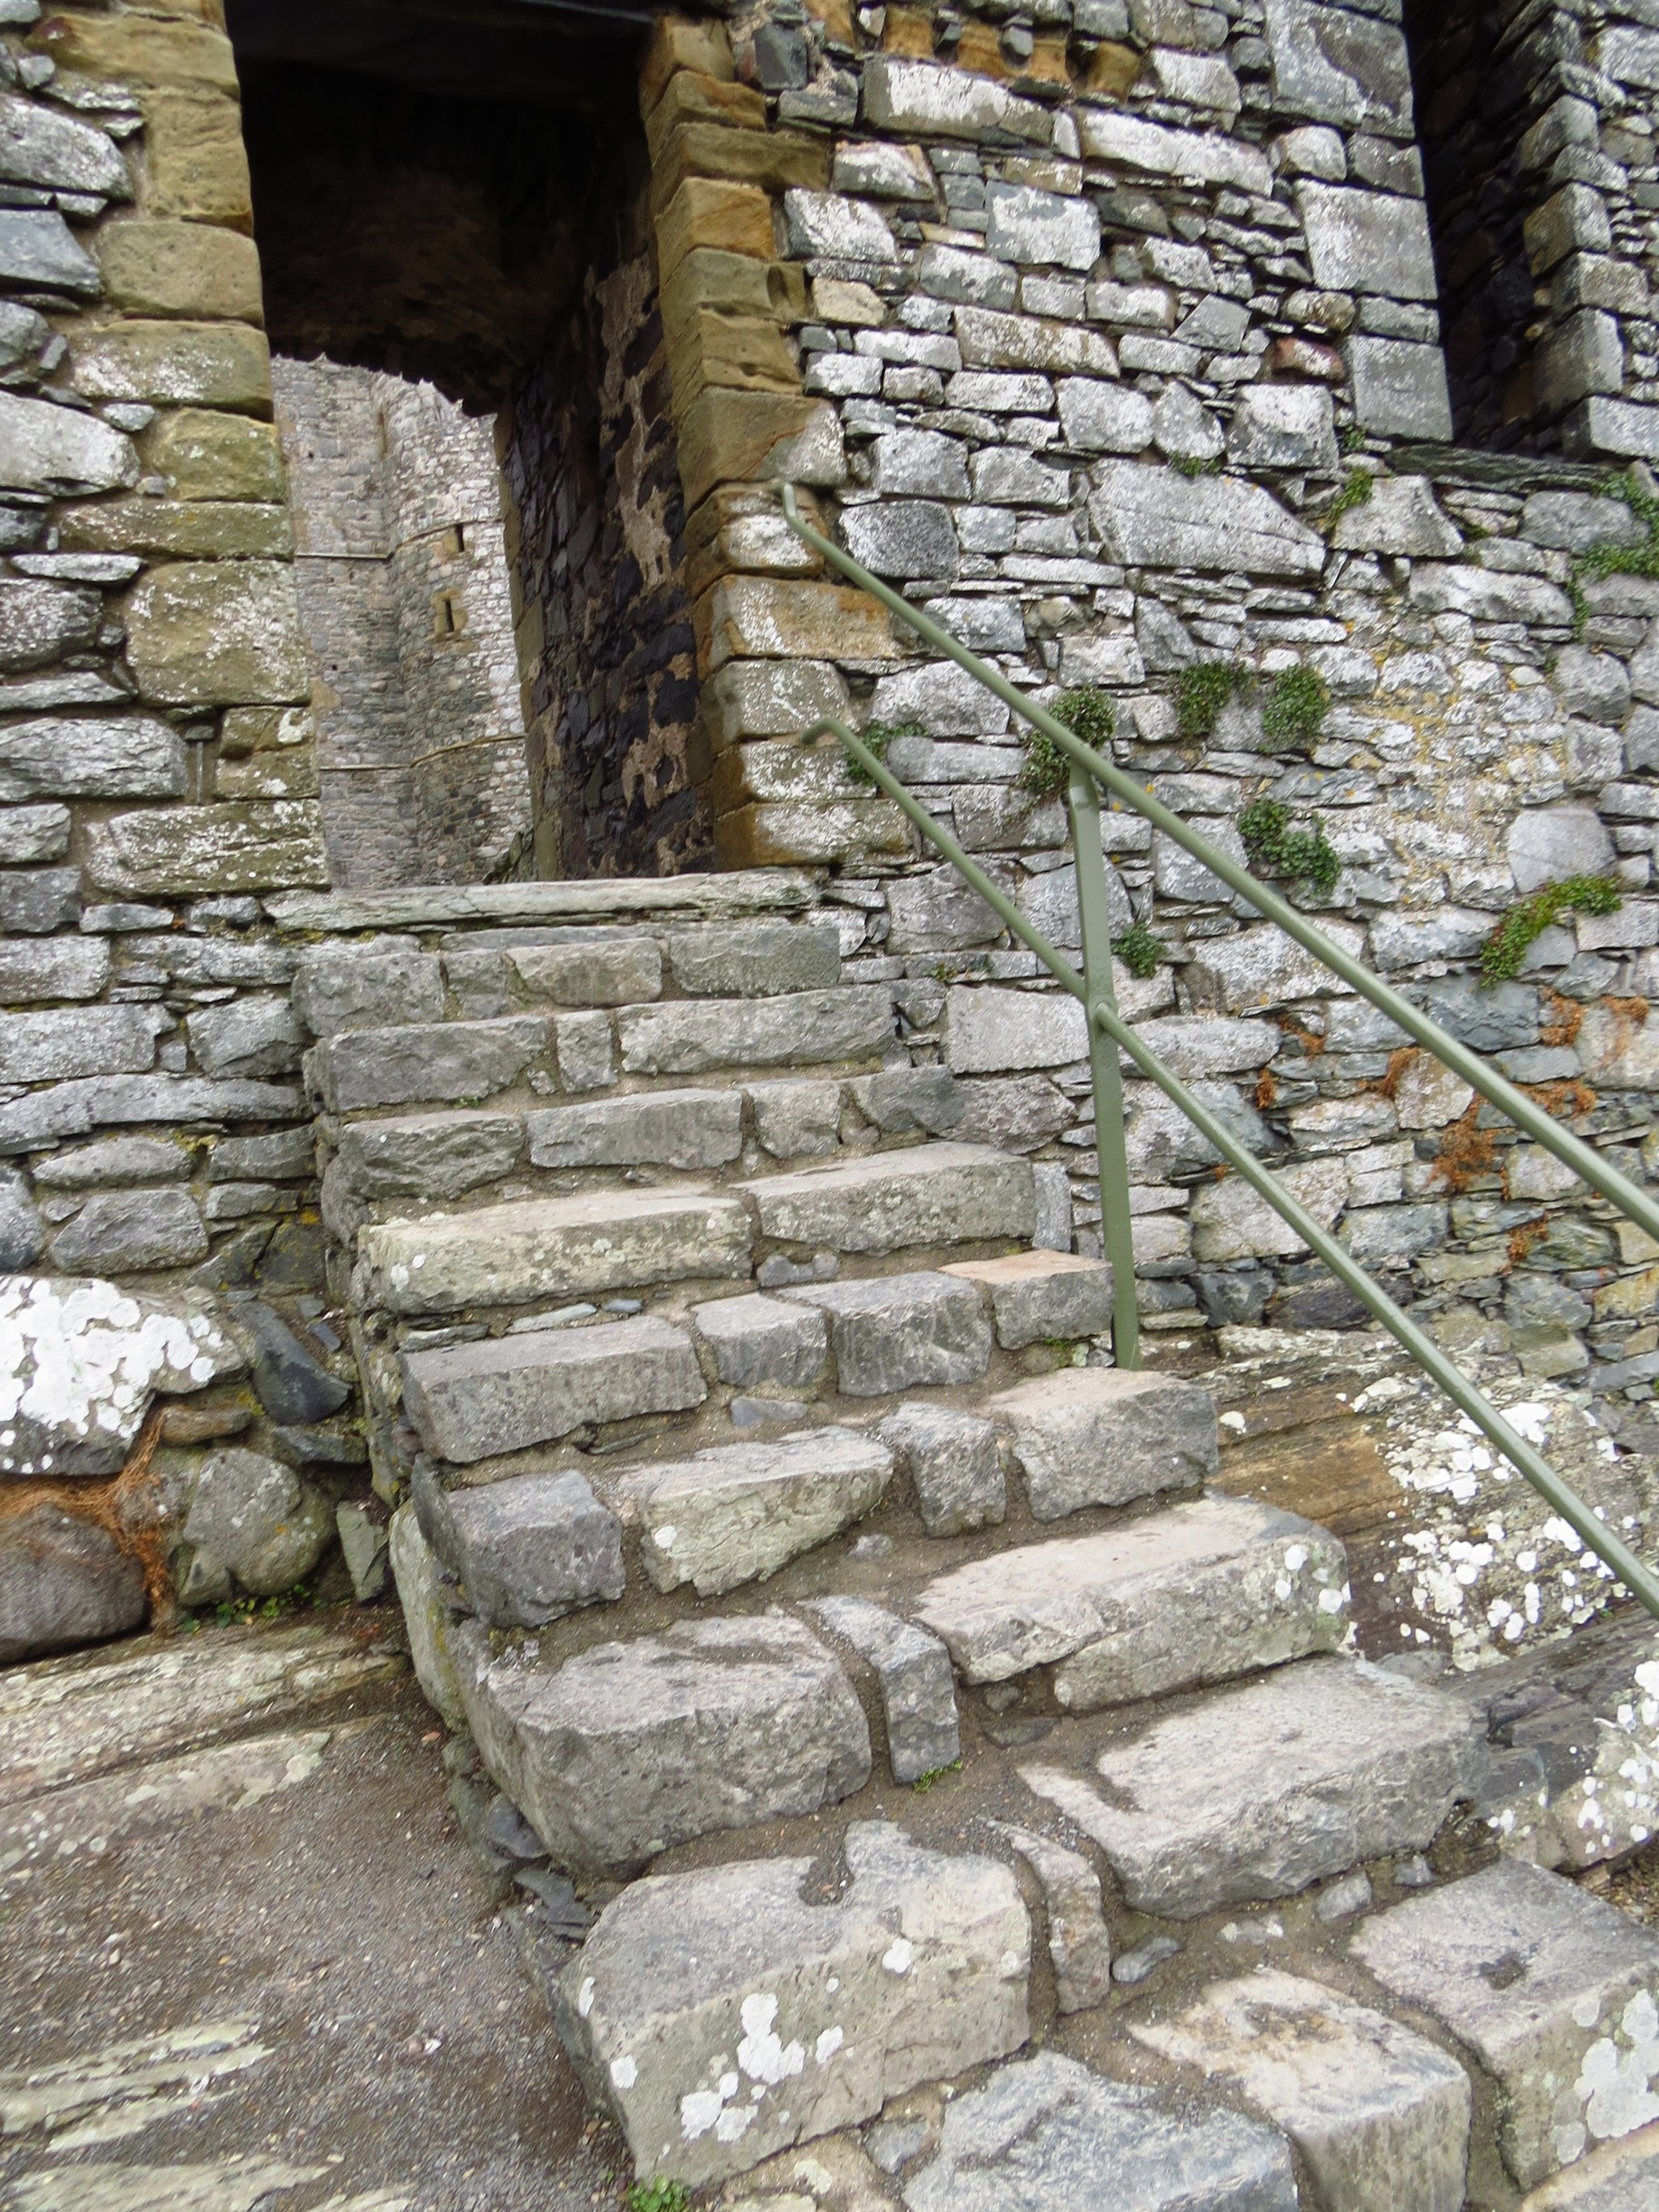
{"x": 1111, "y": 1152}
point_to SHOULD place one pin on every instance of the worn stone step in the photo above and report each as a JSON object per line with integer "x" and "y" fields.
{"x": 1619, "y": 2177}
{"x": 737, "y": 1512}
{"x": 893, "y": 1333}
{"x": 432, "y": 1156}
{"x": 1380, "y": 2113}
{"x": 642, "y": 1128}
{"x": 1194, "y": 1595}
{"x": 884, "y": 1202}
{"x": 522, "y": 1553}
{"x": 799, "y": 1028}
{"x": 918, "y": 1697}
{"x": 471, "y": 1402}
{"x": 629, "y": 1748}
{"x": 755, "y": 959}
{"x": 588, "y": 1245}
{"x": 1256, "y": 1792}
{"x": 1554, "y": 1991}
{"x": 424, "y": 1062}
{"x": 1105, "y": 1436}
{"x": 755, "y": 1339}
{"x": 1040, "y": 1297}
{"x": 1045, "y": 2134}
{"x": 721, "y": 2017}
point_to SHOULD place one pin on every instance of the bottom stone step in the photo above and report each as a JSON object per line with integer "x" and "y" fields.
{"x": 1621, "y": 2177}
{"x": 1554, "y": 1991}
{"x": 1254, "y": 1793}
{"x": 722, "y": 2017}
{"x": 1048, "y": 2136}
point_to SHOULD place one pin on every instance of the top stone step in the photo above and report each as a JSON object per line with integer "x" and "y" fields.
{"x": 926, "y": 1194}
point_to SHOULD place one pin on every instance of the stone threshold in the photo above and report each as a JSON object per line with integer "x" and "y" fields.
{"x": 711, "y": 897}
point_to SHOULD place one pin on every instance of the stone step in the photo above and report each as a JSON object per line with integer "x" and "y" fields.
{"x": 1044, "y": 2135}
{"x": 1039, "y": 1297}
{"x": 1103, "y": 1436}
{"x": 737, "y": 1512}
{"x": 853, "y": 1024}
{"x": 422, "y": 1063}
{"x": 629, "y": 1748}
{"x": 721, "y": 2017}
{"x": 1379, "y": 2114}
{"x": 430, "y": 1155}
{"x": 473, "y": 1401}
{"x": 522, "y": 1553}
{"x": 1619, "y": 2177}
{"x": 925, "y": 1195}
{"x": 918, "y": 1697}
{"x": 590, "y": 1245}
{"x": 893, "y": 1333}
{"x": 1554, "y": 1991}
{"x": 1191, "y": 1595}
{"x": 1254, "y": 1793}
{"x": 642, "y": 1128}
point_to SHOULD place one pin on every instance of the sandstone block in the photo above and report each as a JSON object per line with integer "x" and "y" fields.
{"x": 1041, "y": 1297}
{"x": 1193, "y": 1594}
{"x": 218, "y": 634}
{"x": 196, "y": 160}
{"x": 1095, "y": 1436}
{"x": 633, "y": 1748}
{"x": 139, "y": 50}
{"x": 662, "y": 1128}
{"x": 692, "y": 1036}
{"x": 888, "y": 1201}
{"x": 758, "y": 1339}
{"x": 737, "y": 1512}
{"x": 951, "y": 1459}
{"x": 524, "y": 1551}
{"x": 829, "y": 2009}
{"x": 893, "y": 1333}
{"x": 746, "y": 437}
{"x": 710, "y": 212}
{"x": 211, "y": 529}
{"x": 197, "y": 270}
{"x": 206, "y": 455}
{"x": 471, "y": 1401}
{"x": 751, "y": 618}
{"x": 553, "y": 1248}
{"x": 1256, "y": 1792}
{"x": 918, "y": 1697}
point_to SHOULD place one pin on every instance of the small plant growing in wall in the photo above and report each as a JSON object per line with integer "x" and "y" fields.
{"x": 1302, "y": 856}
{"x": 1140, "y": 950}
{"x": 1047, "y": 770}
{"x": 877, "y": 736}
{"x": 1600, "y": 561}
{"x": 658, "y": 2196}
{"x": 1354, "y": 490}
{"x": 1203, "y": 691}
{"x": 1502, "y": 954}
{"x": 1297, "y": 703}
{"x": 1293, "y": 705}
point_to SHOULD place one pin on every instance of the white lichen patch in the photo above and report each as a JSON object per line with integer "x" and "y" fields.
{"x": 81, "y": 1360}
{"x": 1615, "y": 2080}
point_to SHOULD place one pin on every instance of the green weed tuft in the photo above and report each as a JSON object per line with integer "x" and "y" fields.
{"x": 1275, "y": 849}
{"x": 1138, "y": 951}
{"x": 1203, "y": 691}
{"x": 1502, "y": 954}
{"x": 1297, "y": 703}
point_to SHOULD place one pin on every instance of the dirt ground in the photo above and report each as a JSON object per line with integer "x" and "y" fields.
{"x": 363, "y": 2023}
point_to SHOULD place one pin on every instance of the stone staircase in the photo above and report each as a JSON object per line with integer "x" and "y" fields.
{"x": 813, "y": 1601}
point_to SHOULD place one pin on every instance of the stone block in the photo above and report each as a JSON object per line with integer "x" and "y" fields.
{"x": 64, "y": 1582}
{"x": 991, "y": 340}
{"x": 893, "y": 1333}
{"x": 39, "y": 621}
{"x": 1044, "y": 2131}
{"x": 947, "y": 273}
{"x": 34, "y": 969}
{"x": 1400, "y": 388}
{"x": 255, "y": 1519}
{"x": 174, "y": 365}
{"x": 1572, "y": 220}
{"x": 770, "y": 699}
{"x": 198, "y": 271}
{"x": 989, "y": 1031}
{"x": 1381, "y": 2116}
{"x": 1041, "y": 228}
{"x": 428, "y": 1619}
{"x": 745, "y": 437}
{"x": 218, "y": 634}
{"x": 365, "y": 986}
{"x": 736, "y": 1513}
{"x": 1257, "y": 1792}
{"x": 39, "y": 252}
{"x": 113, "y": 756}
{"x": 196, "y": 162}
{"x": 206, "y": 455}
{"x": 692, "y": 1036}
{"x": 1110, "y": 135}
{"x": 1573, "y": 521}
{"x": 1095, "y": 1436}
{"x": 1079, "y": 1941}
{"x": 633, "y": 1748}
{"x": 1366, "y": 241}
{"x": 471, "y": 1402}
{"x": 1337, "y": 67}
{"x": 1282, "y": 426}
{"x": 1620, "y": 2177}
{"x": 526, "y": 1552}
{"x": 794, "y": 1120}
{"x": 909, "y": 98}
{"x": 951, "y": 1459}
{"x": 212, "y": 530}
{"x": 69, "y": 1041}
{"x": 33, "y": 833}
{"x": 946, "y": 701}
{"x": 1231, "y": 1221}
{"x": 419, "y": 1062}
{"x": 1191, "y": 1595}
{"x": 829, "y": 225}
{"x": 1583, "y": 354}
{"x": 1400, "y": 515}
{"x": 649, "y": 1128}
{"x": 1040, "y": 1298}
{"x": 602, "y": 974}
{"x": 1098, "y": 417}
{"x": 1552, "y": 1989}
{"x": 249, "y": 1036}
{"x": 429, "y": 1155}
{"x": 41, "y": 146}
{"x": 923, "y": 463}
{"x": 553, "y": 1248}
{"x": 753, "y": 617}
{"x": 917, "y": 1697}
{"x": 583, "y": 1043}
{"x": 901, "y": 538}
{"x": 60, "y": 452}
{"x": 217, "y": 850}
{"x": 126, "y": 1231}
{"x": 35, "y": 901}
{"x": 756, "y": 959}
{"x": 758, "y": 1339}
{"x": 1601, "y": 425}
{"x": 930, "y": 1195}
{"x": 1151, "y": 517}
{"x": 1547, "y": 844}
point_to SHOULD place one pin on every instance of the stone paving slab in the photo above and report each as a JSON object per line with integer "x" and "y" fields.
{"x": 1556, "y": 1992}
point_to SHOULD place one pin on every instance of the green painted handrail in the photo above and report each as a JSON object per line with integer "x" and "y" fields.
{"x": 1106, "y": 1028}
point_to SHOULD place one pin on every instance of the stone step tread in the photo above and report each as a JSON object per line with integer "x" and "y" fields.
{"x": 518, "y": 1252}
{"x": 1255, "y": 1792}
{"x": 1194, "y": 1593}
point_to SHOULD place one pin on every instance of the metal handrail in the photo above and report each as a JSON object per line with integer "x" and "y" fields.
{"x": 1105, "y": 1024}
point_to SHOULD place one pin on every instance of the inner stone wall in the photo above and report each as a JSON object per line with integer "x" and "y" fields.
{"x": 405, "y": 605}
